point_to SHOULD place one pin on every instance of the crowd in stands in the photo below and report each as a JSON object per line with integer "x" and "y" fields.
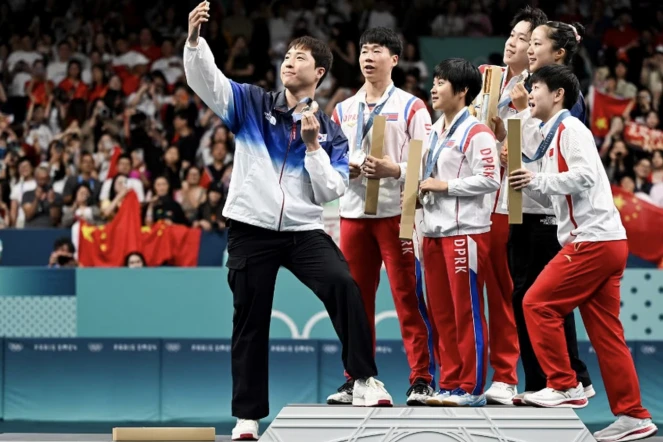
{"x": 94, "y": 103}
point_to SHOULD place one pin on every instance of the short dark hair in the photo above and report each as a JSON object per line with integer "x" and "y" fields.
{"x": 557, "y": 76}
{"x": 64, "y": 241}
{"x": 124, "y": 156}
{"x": 383, "y": 37}
{"x": 534, "y": 16}
{"x": 462, "y": 75}
{"x": 563, "y": 36}
{"x": 319, "y": 50}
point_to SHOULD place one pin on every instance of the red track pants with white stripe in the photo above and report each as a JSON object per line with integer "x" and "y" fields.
{"x": 366, "y": 243}
{"x": 454, "y": 274}
{"x": 585, "y": 275}
{"x": 502, "y": 332}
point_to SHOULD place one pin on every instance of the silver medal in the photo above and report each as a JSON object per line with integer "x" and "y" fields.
{"x": 358, "y": 157}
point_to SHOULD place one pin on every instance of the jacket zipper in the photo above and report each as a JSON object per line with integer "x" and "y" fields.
{"x": 293, "y": 134}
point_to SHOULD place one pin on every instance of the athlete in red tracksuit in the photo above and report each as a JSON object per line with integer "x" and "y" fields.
{"x": 503, "y": 333}
{"x": 461, "y": 170}
{"x": 368, "y": 241}
{"x": 586, "y": 273}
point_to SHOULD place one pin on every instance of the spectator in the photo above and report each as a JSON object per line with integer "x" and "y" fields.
{"x": 26, "y": 183}
{"x": 124, "y": 166}
{"x": 411, "y": 61}
{"x": 192, "y": 194}
{"x": 118, "y": 191}
{"x": 42, "y": 206}
{"x": 642, "y": 171}
{"x": 63, "y": 254}
{"x": 135, "y": 260}
{"x": 38, "y": 88}
{"x": 239, "y": 64}
{"x": 219, "y": 163}
{"x": 651, "y": 120}
{"x": 477, "y": 22}
{"x": 39, "y": 134}
{"x": 210, "y": 213}
{"x": 656, "y": 176}
{"x": 4, "y": 211}
{"x": 450, "y": 23}
{"x": 170, "y": 64}
{"x": 381, "y": 16}
{"x": 73, "y": 84}
{"x": 81, "y": 209}
{"x": 162, "y": 206}
{"x": 624, "y": 88}
{"x": 85, "y": 167}
{"x": 616, "y": 166}
{"x": 58, "y": 70}
{"x": 642, "y": 107}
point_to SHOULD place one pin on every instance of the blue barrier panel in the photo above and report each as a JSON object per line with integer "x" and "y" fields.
{"x": 82, "y": 380}
{"x": 293, "y": 374}
{"x": 2, "y": 378}
{"x": 30, "y": 281}
{"x": 154, "y": 303}
{"x": 29, "y": 247}
{"x": 648, "y": 364}
{"x": 197, "y": 381}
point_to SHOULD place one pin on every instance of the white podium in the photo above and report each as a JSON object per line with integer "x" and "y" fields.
{"x": 324, "y": 423}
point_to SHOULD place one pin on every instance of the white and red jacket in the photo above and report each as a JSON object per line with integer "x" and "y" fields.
{"x": 574, "y": 182}
{"x": 500, "y": 198}
{"x": 407, "y": 118}
{"x": 470, "y": 164}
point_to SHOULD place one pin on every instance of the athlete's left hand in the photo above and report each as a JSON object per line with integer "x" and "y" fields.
{"x": 376, "y": 168}
{"x": 433, "y": 185}
{"x": 520, "y": 178}
{"x": 310, "y": 128}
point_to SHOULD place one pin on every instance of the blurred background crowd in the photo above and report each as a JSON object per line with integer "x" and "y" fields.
{"x": 94, "y": 103}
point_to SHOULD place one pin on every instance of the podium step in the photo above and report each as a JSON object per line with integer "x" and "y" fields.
{"x": 324, "y": 423}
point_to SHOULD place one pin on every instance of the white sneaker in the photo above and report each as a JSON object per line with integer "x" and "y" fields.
{"x": 419, "y": 393}
{"x": 437, "y": 399}
{"x": 627, "y": 428}
{"x": 589, "y": 392}
{"x": 519, "y": 399}
{"x": 459, "y": 398}
{"x": 550, "y": 398}
{"x": 343, "y": 396}
{"x": 501, "y": 394}
{"x": 246, "y": 429}
{"x": 370, "y": 393}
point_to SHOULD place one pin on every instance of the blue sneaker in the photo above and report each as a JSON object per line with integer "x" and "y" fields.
{"x": 437, "y": 400}
{"x": 460, "y": 398}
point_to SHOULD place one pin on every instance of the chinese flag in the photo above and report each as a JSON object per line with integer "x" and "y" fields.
{"x": 112, "y": 169}
{"x": 641, "y": 221}
{"x": 173, "y": 244}
{"x": 108, "y": 245}
{"x": 606, "y": 107}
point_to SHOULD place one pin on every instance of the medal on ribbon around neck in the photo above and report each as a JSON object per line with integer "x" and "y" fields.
{"x": 358, "y": 157}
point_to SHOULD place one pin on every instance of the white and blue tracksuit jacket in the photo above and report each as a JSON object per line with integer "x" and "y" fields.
{"x": 275, "y": 183}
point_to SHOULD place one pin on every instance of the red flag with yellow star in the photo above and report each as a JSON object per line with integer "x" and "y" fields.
{"x": 170, "y": 244}
{"x": 604, "y": 108}
{"x": 109, "y": 245}
{"x": 641, "y": 220}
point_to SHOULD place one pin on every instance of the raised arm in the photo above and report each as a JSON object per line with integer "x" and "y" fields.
{"x": 225, "y": 97}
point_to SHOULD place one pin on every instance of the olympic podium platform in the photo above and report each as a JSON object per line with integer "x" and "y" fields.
{"x": 322, "y": 423}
